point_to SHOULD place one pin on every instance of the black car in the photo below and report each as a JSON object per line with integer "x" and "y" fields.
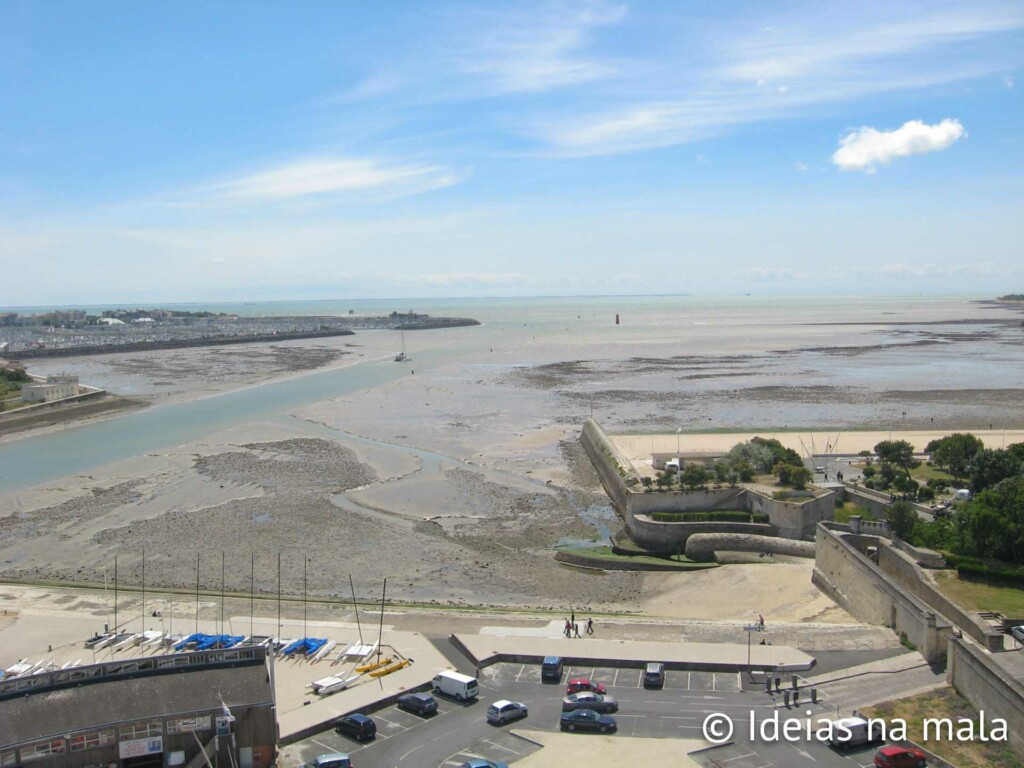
{"x": 551, "y": 669}
{"x": 587, "y": 720}
{"x": 420, "y": 703}
{"x": 358, "y": 727}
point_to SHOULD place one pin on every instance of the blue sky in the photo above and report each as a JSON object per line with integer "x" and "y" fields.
{"x": 206, "y": 151}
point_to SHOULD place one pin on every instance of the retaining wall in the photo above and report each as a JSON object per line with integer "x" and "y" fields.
{"x": 604, "y": 456}
{"x": 926, "y": 558}
{"x": 669, "y": 538}
{"x": 990, "y": 688}
{"x": 795, "y": 521}
{"x": 703, "y": 546}
{"x": 681, "y": 501}
{"x": 862, "y": 588}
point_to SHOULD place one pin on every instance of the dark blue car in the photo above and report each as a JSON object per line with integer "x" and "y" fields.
{"x": 587, "y": 720}
{"x": 419, "y": 703}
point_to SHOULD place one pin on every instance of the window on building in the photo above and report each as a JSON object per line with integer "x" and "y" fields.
{"x": 102, "y": 738}
{"x": 187, "y": 724}
{"x": 42, "y": 749}
{"x": 141, "y": 729}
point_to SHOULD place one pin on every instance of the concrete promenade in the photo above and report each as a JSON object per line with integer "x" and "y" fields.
{"x": 717, "y": 657}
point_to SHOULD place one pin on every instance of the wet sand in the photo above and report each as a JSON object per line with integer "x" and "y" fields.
{"x": 457, "y": 482}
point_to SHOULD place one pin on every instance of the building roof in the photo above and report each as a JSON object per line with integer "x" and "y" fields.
{"x": 57, "y": 712}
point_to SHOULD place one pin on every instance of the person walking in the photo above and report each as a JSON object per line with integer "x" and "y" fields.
{"x": 576, "y": 629}
{"x": 590, "y": 626}
{"x": 568, "y": 628}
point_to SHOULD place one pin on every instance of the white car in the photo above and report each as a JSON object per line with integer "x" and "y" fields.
{"x": 505, "y": 711}
{"x": 1018, "y": 633}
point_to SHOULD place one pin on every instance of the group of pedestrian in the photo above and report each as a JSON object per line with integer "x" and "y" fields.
{"x": 572, "y": 629}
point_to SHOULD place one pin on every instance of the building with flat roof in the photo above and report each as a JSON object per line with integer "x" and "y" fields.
{"x": 154, "y": 712}
{"x": 56, "y": 387}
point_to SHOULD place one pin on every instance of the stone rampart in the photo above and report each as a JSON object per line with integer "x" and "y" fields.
{"x": 609, "y": 464}
{"x": 906, "y": 573}
{"x": 670, "y": 538}
{"x": 845, "y": 574}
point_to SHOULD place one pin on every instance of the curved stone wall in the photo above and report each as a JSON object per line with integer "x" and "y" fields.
{"x": 702, "y": 547}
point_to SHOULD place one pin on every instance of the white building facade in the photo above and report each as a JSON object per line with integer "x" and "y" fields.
{"x": 56, "y": 387}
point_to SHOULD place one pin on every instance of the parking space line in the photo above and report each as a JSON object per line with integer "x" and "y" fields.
{"x": 712, "y": 681}
{"x": 615, "y": 678}
{"x": 689, "y": 681}
{"x": 500, "y": 746}
{"x": 325, "y": 746}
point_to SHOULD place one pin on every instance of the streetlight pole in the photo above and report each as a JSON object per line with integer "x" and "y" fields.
{"x": 679, "y": 432}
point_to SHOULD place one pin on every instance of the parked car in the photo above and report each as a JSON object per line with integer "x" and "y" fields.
{"x": 900, "y": 757}
{"x": 1018, "y": 633}
{"x": 505, "y": 711}
{"x": 654, "y": 675}
{"x": 358, "y": 727}
{"x": 418, "y": 703}
{"x": 551, "y": 669}
{"x": 589, "y": 700}
{"x": 458, "y": 686}
{"x": 583, "y": 684}
{"x": 333, "y": 760}
{"x": 587, "y": 720}
{"x": 479, "y": 762}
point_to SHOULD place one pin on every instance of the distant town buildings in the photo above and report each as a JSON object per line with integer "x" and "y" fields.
{"x": 56, "y": 387}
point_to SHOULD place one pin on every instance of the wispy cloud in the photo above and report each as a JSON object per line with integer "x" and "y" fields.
{"x": 1008, "y": 81}
{"x": 778, "y": 55}
{"x": 330, "y": 178}
{"x": 947, "y": 271}
{"x": 866, "y": 148}
{"x": 544, "y": 51}
{"x": 779, "y": 75}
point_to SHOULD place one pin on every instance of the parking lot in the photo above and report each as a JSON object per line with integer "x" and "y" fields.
{"x": 727, "y": 682}
{"x": 459, "y": 731}
{"x": 755, "y": 756}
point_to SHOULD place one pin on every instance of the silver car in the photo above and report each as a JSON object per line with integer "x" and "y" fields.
{"x": 589, "y": 700}
{"x": 505, "y": 711}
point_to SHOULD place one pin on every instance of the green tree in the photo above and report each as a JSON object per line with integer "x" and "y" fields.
{"x": 898, "y": 452}
{"x": 992, "y": 523}
{"x": 781, "y": 454}
{"x": 1017, "y": 449}
{"x": 993, "y": 466}
{"x": 694, "y": 476}
{"x": 722, "y": 471}
{"x": 751, "y": 454}
{"x": 795, "y": 475}
{"x": 901, "y": 518}
{"x": 955, "y": 452}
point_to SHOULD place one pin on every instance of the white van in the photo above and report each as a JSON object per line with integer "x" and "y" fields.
{"x": 458, "y": 686}
{"x": 849, "y": 732}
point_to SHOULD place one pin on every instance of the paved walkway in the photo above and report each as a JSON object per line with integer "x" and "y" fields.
{"x": 868, "y": 684}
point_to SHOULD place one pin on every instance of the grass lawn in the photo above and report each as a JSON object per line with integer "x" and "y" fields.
{"x": 603, "y": 557}
{"x": 979, "y": 596}
{"x": 924, "y": 473}
{"x": 947, "y": 703}
{"x": 849, "y": 508}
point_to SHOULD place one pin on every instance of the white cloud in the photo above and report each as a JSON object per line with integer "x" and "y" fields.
{"x": 801, "y": 166}
{"x": 330, "y": 177}
{"x": 1008, "y": 81}
{"x": 865, "y": 148}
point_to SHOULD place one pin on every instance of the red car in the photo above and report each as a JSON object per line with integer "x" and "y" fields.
{"x": 582, "y": 684}
{"x": 899, "y": 757}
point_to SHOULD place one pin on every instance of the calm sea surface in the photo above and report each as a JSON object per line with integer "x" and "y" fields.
{"x": 543, "y": 330}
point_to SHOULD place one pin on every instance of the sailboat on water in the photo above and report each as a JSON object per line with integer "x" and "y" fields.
{"x": 402, "y": 357}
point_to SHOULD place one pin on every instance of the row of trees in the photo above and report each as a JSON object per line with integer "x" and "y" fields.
{"x": 990, "y": 525}
{"x": 743, "y": 462}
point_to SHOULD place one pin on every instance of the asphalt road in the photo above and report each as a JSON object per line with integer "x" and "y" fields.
{"x": 460, "y": 731}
